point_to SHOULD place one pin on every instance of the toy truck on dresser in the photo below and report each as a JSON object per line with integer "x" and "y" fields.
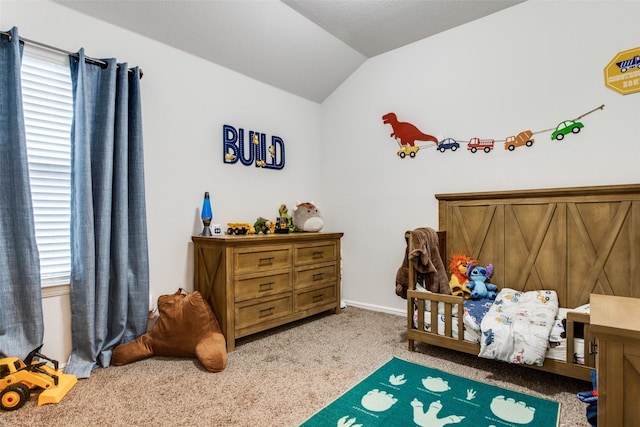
{"x": 476, "y": 144}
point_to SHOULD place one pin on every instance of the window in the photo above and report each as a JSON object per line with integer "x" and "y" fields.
{"x": 48, "y": 109}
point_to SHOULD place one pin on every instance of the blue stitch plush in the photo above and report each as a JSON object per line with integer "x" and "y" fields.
{"x": 478, "y": 282}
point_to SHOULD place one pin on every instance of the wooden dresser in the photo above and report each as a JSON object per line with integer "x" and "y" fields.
{"x": 615, "y": 322}
{"x": 257, "y": 282}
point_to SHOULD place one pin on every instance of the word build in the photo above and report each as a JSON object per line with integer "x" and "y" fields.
{"x": 252, "y": 150}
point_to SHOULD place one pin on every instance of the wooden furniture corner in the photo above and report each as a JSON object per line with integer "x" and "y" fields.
{"x": 615, "y": 322}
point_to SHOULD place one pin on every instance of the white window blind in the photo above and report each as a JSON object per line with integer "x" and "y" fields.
{"x": 48, "y": 109}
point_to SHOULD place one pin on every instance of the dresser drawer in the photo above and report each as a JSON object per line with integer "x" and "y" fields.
{"x": 315, "y": 297}
{"x": 315, "y": 275}
{"x": 254, "y": 312}
{"x": 313, "y": 253}
{"x": 253, "y": 260}
{"x": 261, "y": 286}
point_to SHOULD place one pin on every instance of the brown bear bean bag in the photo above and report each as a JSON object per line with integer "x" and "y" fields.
{"x": 186, "y": 327}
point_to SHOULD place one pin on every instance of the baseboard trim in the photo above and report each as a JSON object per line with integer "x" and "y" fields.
{"x": 55, "y": 291}
{"x": 373, "y": 307}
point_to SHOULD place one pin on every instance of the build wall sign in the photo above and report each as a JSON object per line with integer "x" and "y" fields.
{"x": 251, "y": 148}
{"x": 622, "y": 74}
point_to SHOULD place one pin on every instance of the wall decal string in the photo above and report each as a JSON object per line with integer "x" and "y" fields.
{"x": 406, "y": 135}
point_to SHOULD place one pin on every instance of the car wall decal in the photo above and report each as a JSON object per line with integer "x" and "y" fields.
{"x": 406, "y": 135}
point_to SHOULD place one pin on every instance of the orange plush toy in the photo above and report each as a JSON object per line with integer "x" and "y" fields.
{"x": 186, "y": 327}
{"x": 459, "y": 279}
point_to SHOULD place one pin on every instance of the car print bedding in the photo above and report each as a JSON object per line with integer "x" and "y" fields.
{"x": 517, "y": 326}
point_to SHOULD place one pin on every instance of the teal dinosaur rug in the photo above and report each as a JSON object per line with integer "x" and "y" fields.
{"x": 403, "y": 394}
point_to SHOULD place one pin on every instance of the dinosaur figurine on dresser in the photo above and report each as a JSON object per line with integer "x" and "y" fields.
{"x": 405, "y": 132}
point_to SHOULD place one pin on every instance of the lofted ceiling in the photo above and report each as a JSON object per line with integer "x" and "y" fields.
{"x": 305, "y": 47}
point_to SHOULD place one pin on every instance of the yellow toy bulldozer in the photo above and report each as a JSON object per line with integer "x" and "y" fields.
{"x": 18, "y": 378}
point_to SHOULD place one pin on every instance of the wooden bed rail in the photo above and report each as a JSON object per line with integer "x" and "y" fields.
{"x": 583, "y": 319}
{"x": 447, "y": 305}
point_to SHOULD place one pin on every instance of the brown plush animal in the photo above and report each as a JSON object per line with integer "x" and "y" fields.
{"x": 186, "y": 327}
{"x": 424, "y": 255}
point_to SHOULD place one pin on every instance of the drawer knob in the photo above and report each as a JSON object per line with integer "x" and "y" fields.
{"x": 266, "y": 261}
{"x": 318, "y": 254}
{"x": 266, "y": 286}
{"x": 266, "y": 311}
{"x": 318, "y": 297}
{"x": 318, "y": 276}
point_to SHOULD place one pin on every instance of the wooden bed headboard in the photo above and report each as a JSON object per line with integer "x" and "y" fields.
{"x": 576, "y": 241}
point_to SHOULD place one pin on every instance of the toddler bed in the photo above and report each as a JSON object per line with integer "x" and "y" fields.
{"x": 571, "y": 241}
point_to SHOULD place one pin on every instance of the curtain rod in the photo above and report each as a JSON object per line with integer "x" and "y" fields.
{"x": 59, "y": 50}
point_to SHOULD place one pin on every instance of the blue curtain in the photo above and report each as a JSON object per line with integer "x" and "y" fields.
{"x": 21, "y": 324}
{"x": 109, "y": 253}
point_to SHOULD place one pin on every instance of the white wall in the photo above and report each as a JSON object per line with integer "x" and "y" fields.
{"x": 186, "y": 101}
{"x": 527, "y": 67}
{"x": 530, "y": 66}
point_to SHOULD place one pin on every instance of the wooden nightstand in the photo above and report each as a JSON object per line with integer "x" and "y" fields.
{"x": 615, "y": 322}
{"x": 257, "y": 282}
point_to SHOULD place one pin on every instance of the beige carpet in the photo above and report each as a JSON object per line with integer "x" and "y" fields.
{"x": 278, "y": 378}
